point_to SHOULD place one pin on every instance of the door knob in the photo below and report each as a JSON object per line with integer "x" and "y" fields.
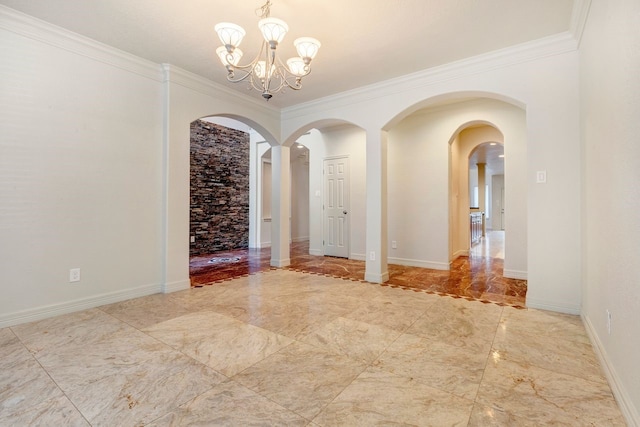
{"x": 344, "y": 212}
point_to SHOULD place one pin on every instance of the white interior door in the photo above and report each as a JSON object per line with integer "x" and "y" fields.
{"x": 336, "y": 207}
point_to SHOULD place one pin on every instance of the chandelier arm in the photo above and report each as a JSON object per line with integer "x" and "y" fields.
{"x": 292, "y": 81}
{"x": 231, "y": 76}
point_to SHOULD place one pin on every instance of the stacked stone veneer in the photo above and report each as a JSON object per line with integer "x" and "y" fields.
{"x": 219, "y": 188}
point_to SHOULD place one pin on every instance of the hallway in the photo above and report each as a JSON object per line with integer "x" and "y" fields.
{"x": 477, "y": 277}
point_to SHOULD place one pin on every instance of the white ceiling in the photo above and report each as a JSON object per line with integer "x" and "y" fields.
{"x": 363, "y": 41}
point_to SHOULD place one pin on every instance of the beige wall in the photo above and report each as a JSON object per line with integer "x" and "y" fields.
{"x": 343, "y": 140}
{"x": 422, "y": 204}
{"x": 610, "y": 111}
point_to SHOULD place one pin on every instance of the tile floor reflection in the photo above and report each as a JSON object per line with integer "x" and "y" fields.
{"x": 281, "y": 347}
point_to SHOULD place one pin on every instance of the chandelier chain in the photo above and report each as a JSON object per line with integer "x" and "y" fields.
{"x": 265, "y": 10}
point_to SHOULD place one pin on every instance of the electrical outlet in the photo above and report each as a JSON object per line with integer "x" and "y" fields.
{"x": 541, "y": 177}
{"x": 394, "y": 244}
{"x": 193, "y": 239}
{"x": 372, "y": 256}
{"x": 74, "y": 275}
{"x": 608, "y": 322}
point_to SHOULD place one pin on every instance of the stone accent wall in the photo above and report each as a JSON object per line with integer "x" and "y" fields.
{"x": 219, "y": 188}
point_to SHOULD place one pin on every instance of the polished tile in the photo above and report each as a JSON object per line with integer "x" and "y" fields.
{"x": 222, "y": 343}
{"x": 144, "y": 392}
{"x": 549, "y": 352}
{"x": 546, "y": 323}
{"x": 24, "y": 384}
{"x": 230, "y": 404}
{"x": 358, "y": 340}
{"x": 467, "y": 324}
{"x": 281, "y": 347}
{"x": 70, "y": 330}
{"x": 149, "y": 310}
{"x": 378, "y": 397}
{"x": 51, "y": 412}
{"x": 547, "y": 397}
{"x": 301, "y": 377}
{"x": 436, "y": 364}
{"x": 391, "y": 313}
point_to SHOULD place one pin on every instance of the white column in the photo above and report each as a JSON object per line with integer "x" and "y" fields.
{"x": 376, "y": 265}
{"x": 254, "y": 212}
{"x": 280, "y": 205}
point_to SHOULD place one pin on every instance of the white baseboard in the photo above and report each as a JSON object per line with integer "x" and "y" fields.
{"x": 264, "y": 245}
{"x": 358, "y": 257}
{"x": 550, "y": 306}
{"x": 515, "y": 274}
{"x": 300, "y": 239}
{"x": 418, "y": 263}
{"x": 316, "y": 252}
{"x": 458, "y": 254}
{"x": 180, "y": 285}
{"x": 279, "y": 263}
{"x": 52, "y": 310}
{"x": 625, "y": 402}
{"x": 377, "y": 278}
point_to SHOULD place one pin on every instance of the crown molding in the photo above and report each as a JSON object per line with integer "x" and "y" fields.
{"x": 182, "y": 77}
{"x": 44, "y": 32}
{"x": 545, "y": 47}
{"x": 579, "y": 18}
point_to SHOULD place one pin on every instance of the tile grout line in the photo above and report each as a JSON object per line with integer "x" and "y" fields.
{"x": 33, "y": 356}
{"x": 495, "y": 334}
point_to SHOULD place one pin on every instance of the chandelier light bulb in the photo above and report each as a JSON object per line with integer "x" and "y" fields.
{"x": 296, "y": 66}
{"x": 230, "y": 34}
{"x": 307, "y": 47}
{"x": 273, "y": 29}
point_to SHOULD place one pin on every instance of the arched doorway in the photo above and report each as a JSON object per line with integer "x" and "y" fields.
{"x": 299, "y": 193}
{"x": 223, "y": 187}
{"x": 476, "y": 158}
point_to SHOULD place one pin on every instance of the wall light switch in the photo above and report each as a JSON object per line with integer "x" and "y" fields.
{"x": 317, "y": 193}
{"x": 193, "y": 239}
{"x": 394, "y": 244}
{"x": 541, "y": 177}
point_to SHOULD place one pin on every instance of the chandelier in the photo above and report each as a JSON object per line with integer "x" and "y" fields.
{"x": 266, "y": 73}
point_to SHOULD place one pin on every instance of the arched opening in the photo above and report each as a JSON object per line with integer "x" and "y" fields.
{"x": 341, "y": 146}
{"x": 476, "y": 158}
{"x": 487, "y": 191}
{"x": 223, "y": 189}
{"x": 430, "y": 193}
{"x": 299, "y": 193}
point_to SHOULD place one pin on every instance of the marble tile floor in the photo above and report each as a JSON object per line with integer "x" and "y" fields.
{"x": 286, "y": 348}
{"x": 478, "y": 276}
